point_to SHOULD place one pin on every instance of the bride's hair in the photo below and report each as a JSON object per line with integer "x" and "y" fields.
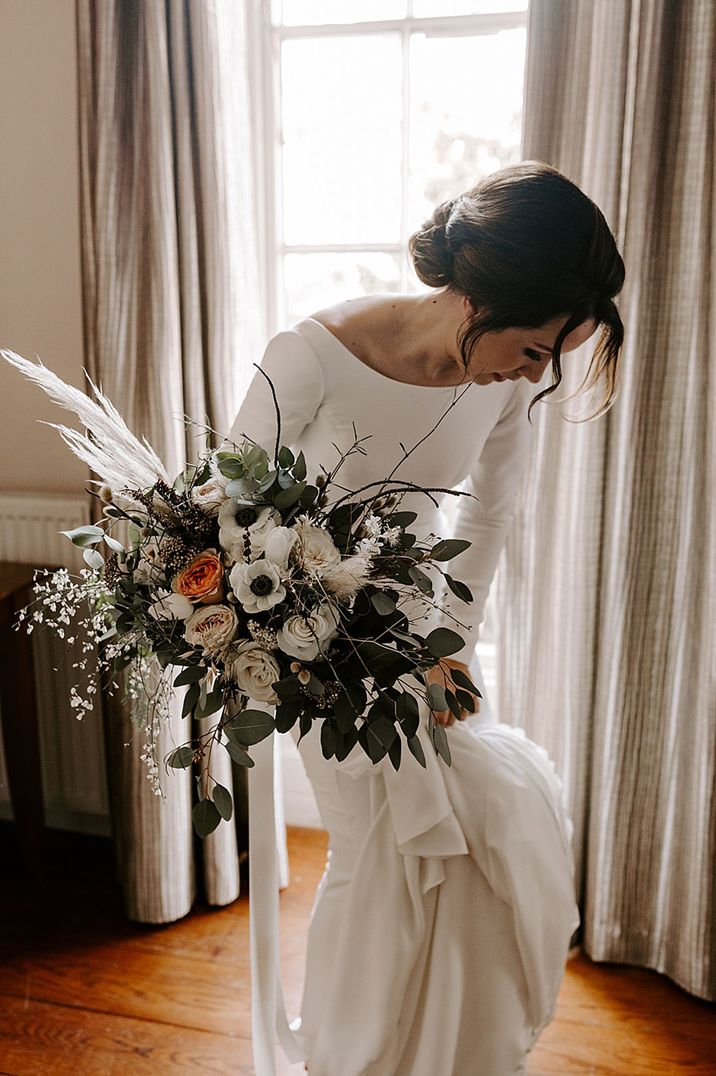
{"x": 526, "y": 246}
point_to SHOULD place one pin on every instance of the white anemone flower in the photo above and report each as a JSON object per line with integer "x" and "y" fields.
{"x": 257, "y": 585}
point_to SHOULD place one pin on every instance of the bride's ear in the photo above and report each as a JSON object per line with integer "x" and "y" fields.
{"x": 468, "y": 310}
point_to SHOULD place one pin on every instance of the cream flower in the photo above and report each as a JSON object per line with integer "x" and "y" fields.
{"x": 305, "y": 637}
{"x": 315, "y": 549}
{"x": 257, "y": 585}
{"x": 168, "y": 605}
{"x": 255, "y": 670}
{"x": 278, "y": 545}
{"x": 211, "y": 627}
{"x": 236, "y": 518}
{"x": 150, "y": 563}
{"x": 210, "y": 495}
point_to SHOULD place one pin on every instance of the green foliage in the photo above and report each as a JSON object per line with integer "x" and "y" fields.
{"x": 249, "y": 726}
{"x": 205, "y": 817}
{"x": 459, "y": 589}
{"x": 181, "y": 758}
{"x": 443, "y": 641}
{"x": 449, "y": 548}
{"x": 223, "y": 801}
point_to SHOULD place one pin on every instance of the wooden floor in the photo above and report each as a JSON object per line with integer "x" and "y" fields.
{"x": 83, "y": 992}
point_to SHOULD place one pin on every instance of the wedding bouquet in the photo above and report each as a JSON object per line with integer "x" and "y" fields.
{"x": 247, "y": 583}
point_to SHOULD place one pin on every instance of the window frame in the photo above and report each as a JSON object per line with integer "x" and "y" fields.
{"x": 266, "y": 38}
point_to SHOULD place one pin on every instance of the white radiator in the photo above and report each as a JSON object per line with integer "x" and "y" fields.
{"x": 73, "y": 764}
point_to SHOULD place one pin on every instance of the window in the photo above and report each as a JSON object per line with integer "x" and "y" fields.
{"x": 381, "y": 110}
{"x": 376, "y": 111}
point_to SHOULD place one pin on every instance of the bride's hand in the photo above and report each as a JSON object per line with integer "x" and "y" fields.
{"x": 440, "y": 674}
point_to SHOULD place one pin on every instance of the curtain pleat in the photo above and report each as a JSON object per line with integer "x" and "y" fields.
{"x": 173, "y": 319}
{"x": 606, "y": 592}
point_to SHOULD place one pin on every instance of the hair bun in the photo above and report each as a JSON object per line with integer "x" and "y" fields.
{"x": 430, "y": 250}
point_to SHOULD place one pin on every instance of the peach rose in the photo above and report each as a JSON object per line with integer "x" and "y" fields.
{"x": 202, "y": 580}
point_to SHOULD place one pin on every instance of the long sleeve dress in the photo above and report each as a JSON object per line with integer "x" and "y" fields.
{"x": 441, "y": 926}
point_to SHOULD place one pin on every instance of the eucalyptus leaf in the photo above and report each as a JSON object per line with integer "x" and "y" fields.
{"x": 250, "y": 726}
{"x": 285, "y": 456}
{"x": 449, "y": 548}
{"x": 436, "y": 698}
{"x": 459, "y": 589}
{"x": 86, "y": 535}
{"x": 286, "y": 497}
{"x": 237, "y": 753}
{"x": 421, "y": 580}
{"x": 443, "y": 641}
{"x": 190, "y": 700}
{"x": 416, "y": 749}
{"x": 394, "y": 753}
{"x": 224, "y": 804}
{"x": 299, "y": 467}
{"x": 93, "y": 558}
{"x": 214, "y": 701}
{"x": 205, "y": 817}
{"x": 190, "y": 675}
{"x": 181, "y": 758}
{"x": 329, "y": 740}
{"x": 113, "y": 544}
{"x": 462, "y": 680}
{"x": 383, "y": 604}
{"x": 440, "y": 742}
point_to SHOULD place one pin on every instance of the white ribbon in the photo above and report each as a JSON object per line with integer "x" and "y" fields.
{"x": 268, "y": 1009}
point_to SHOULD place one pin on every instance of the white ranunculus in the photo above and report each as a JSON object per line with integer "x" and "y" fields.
{"x": 211, "y": 627}
{"x": 210, "y": 495}
{"x": 150, "y": 563}
{"x": 278, "y": 545}
{"x": 168, "y": 606}
{"x": 257, "y": 585}
{"x": 236, "y": 518}
{"x": 315, "y": 549}
{"x": 255, "y": 670}
{"x": 305, "y": 637}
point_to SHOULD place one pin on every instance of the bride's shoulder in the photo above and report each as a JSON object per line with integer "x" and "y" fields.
{"x": 358, "y": 322}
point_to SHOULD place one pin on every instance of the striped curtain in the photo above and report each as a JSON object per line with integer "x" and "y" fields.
{"x": 606, "y": 595}
{"x": 173, "y": 319}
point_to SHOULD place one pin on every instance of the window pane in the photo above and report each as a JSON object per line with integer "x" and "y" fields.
{"x": 312, "y": 12}
{"x": 466, "y": 113}
{"x": 341, "y": 139}
{"x": 427, "y": 8}
{"x": 313, "y": 281}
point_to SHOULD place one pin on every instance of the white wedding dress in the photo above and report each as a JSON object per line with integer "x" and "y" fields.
{"x": 441, "y": 925}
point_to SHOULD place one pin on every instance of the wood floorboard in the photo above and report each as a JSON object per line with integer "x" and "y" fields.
{"x": 86, "y": 992}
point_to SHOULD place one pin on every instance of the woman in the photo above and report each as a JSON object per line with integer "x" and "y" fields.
{"x": 442, "y": 922}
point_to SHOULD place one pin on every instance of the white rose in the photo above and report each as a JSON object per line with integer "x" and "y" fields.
{"x": 279, "y": 543}
{"x": 150, "y": 563}
{"x": 257, "y": 585}
{"x": 255, "y": 670}
{"x": 315, "y": 549}
{"x": 210, "y": 495}
{"x": 236, "y": 518}
{"x": 211, "y": 627}
{"x": 168, "y": 605}
{"x": 304, "y": 636}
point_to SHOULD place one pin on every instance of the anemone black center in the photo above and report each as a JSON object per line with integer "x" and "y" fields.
{"x": 245, "y": 515}
{"x": 261, "y": 585}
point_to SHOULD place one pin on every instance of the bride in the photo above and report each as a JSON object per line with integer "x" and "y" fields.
{"x": 442, "y": 922}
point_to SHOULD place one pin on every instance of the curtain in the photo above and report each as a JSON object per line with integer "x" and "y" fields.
{"x": 174, "y": 315}
{"x": 606, "y": 593}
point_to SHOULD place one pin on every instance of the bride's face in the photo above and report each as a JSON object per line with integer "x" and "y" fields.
{"x": 514, "y": 353}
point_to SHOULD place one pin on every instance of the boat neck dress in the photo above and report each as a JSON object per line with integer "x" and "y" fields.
{"x": 441, "y": 925}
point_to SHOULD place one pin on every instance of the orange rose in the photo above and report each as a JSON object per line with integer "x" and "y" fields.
{"x": 202, "y": 580}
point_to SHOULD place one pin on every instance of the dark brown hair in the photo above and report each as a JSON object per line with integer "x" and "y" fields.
{"x": 527, "y": 246}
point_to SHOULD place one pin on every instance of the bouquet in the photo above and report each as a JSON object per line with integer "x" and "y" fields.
{"x": 249, "y": 584}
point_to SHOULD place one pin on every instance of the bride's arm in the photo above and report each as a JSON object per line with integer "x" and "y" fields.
{"x": 494, "y": 480}
{"x": 291, "y": 363}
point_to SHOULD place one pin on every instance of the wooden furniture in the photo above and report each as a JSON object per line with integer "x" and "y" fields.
{"x": 19, "y": 718}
